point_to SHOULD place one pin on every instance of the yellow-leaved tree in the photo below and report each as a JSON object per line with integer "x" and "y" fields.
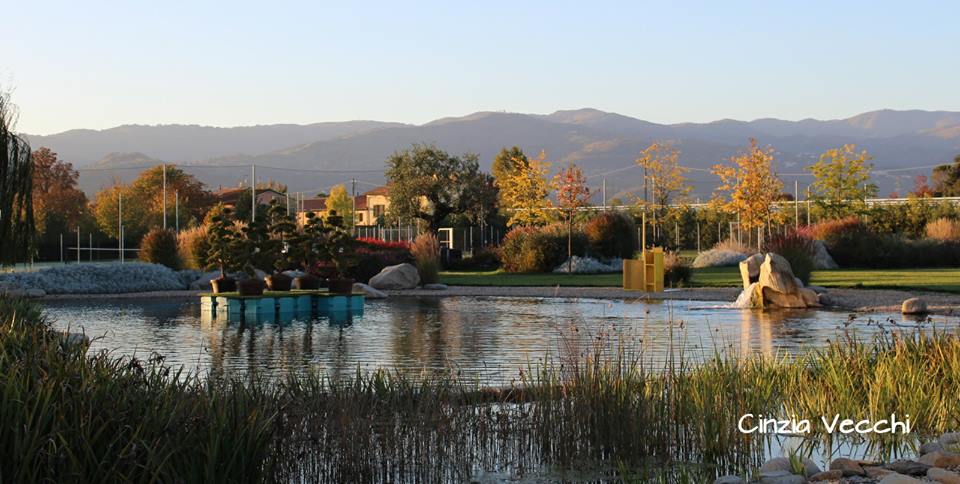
{"x": 524, "y": 192}
{"x": 749, "y": 186}
{"x": 840, "y": 185}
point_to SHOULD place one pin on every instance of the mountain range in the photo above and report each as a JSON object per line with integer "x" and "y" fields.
{"x": 313, "y": 157}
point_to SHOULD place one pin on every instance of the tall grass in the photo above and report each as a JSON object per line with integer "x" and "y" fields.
{"x": 426, "y": 254}
{"x": 67, "y": 416}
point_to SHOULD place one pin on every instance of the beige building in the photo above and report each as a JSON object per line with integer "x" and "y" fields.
{"x": 370, "y": 207}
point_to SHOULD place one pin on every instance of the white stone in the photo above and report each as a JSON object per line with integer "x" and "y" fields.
{"x": 914, "y": 305}
{"x": 821, "y": 257}
{"x": 718, "y": 258}
{"x": 370, "y": 292}
{"x": 202, "y": 283}
{"x": 588, "y": 265}
{"x": 750, "y": 269}
{"x": 400, "y": 276}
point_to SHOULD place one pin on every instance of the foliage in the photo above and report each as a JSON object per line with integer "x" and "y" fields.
{"x": 661, "y": 165}
{"x": 113, "y": 278}
{"x": 840, "y": 185}
{"x": 17, "y": 230}
{"x": 342, "y": 202}
{"x": 611, "y": 234}
{"x": 283, "y": 236}
{"x": 59, "y": 205}
{"x": 751, "y": 187}
{"x": 222, "y": 242}
{"x": 159, "y": 246}
{"x": 482, "y": 259}
{"x": 524, "y": 192}
{"x": 372, "y": 255}
{"x": 733, "y": 246}
{"x": 309, "y": 247}
{"x": 943, "y": 229}
{"x": 572, "y": 194}
{"x": 798, "y": 249}
{"x": 340, "y": 248}
{"x": 193, "y": 246}
{"x": 946, "y": 179}
{"x": 676, "y": 270}
{"x": 853, "y": 243}
{"x": 429, "y": 184}
{"x": 508, "y": 161}
{"x": 533, "y": 249}
{"x": 143, "y": 202}
{"x": 426, "y": 252}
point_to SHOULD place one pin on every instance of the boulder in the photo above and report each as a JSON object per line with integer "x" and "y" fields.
{"x": 202, "y": 283}
{"x": 777, "y": 287}
{"x": 750, "y": 269}
{"x": 776, "y": 274}
{"x": 832, "y": 475}
{"x": 729, "y": 480}
{"x": 781, "y": 477}
{"x": 370, "y": 292}
{"x": 930, "y": 447}
{"x": 435, "y": 287}
{"x": 950, "y": 440}
{"x": 914, "y": 305}
{"x": 848, "y": 467}
{"x": 718, "y": 258}
{"x": 908, "y": 467}
{"x": 943, "y": 476}
{"x": 821, "y": 257}
{"x": 940, "y": 458}
{"x": 400, "y": 276}
{"x": 782, "y": 464}
{"x": 895, "y": 478}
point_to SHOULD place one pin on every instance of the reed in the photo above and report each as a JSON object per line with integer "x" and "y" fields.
{"x": 69, "y": 416}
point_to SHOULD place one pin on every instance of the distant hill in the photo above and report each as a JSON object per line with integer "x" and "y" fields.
{"x": 311, "y": 158}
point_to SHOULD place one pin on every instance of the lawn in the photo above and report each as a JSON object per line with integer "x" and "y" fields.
{"x": 941, "y": 279}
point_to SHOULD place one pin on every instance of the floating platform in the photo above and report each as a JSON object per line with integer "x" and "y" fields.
{"x": 283, "y": 303}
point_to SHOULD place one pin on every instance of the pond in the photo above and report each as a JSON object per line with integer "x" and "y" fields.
{"x": 486, "y": 339}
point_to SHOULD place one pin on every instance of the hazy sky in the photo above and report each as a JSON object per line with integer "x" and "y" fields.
{"x": 100, "y": 64}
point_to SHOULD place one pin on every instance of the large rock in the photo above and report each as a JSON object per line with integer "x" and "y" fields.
{"x": 782, "y": 464}
{"x": 821, "y": 257}
{"x": 896, "y": 478}
{"x": 826, "y": 476}
{"x": 943, "y": 476}
{"x": 848, "y": 467}
{"x": 914, "y": 305}
{"x": 777, "y": 275}
{"x": 729, "y": 479}
{"x": 777, "y": 287}
{"x": 718, "y": 258}
{"x": 202, "y": 283}
{"x": 400, "y": 276}
{"x": 370, "y": 292}
{"x": 908, "y": 467}
{"x": 750, "y": 269}
{"x": 939, "y": 458}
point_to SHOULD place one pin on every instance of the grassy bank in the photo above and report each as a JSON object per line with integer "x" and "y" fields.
{"x": 944, "y": 280}
{"x": 67, "y": 416}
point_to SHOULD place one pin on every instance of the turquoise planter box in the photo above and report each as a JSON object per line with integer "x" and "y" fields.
{"x": 286, "y": 304}
{"x": 304, "y": 304}
{"x": 356, "y": 302}
{"x": 229, "y": 305}
{"x": 264, "y": 305}
{"x": 338, "y": 303}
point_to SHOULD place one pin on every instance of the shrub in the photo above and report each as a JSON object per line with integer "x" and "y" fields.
{"x": 798, "y": 249}
{"x": 531, "y": 249}
{"x": 851, "y": 242}
{"x": 192, "y": 247}
{"x": 482, "y": 259}
{"x": 113, "y": 278}
{"x": 578, "y": 239}
{"x": 611, "y": 234}
{"x": 676, "y": 271}
{"x": 426, "y": 253}
{"x": 372, "y": 255}
{"x": 159, "y": 246}
{"x": 943, "y": 229}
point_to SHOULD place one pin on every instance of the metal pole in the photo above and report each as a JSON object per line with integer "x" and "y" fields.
{"x": 698, "y": 236}
{"x": 164, "y": 202}
{"x": 353, "y": 198}
{"x": 176, "y": 209}
{"x": 90, "y": 245}
{"x": 61, "y": 249}
{"x": 120, "y": 227}
{"x": 78, "y": 244}
{"x": 253, "y": 193}
{"x": 796, "y": 204}
{"x": 604, "y": 193}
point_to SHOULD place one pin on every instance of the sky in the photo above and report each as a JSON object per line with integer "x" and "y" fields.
{"x": 102, "y": 64}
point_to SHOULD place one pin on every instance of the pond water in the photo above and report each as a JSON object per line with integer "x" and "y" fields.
{"x": 487, "y": 339}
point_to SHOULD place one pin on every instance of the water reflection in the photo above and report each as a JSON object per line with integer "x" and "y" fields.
{"x": 490, "y": 339}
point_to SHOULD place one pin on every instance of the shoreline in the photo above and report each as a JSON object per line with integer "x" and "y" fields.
{"x": 857, "y": 300}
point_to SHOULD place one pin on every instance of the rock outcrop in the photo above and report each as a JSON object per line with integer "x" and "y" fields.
{"x": 774, "y": 285}
{"x": 400, "y": 276}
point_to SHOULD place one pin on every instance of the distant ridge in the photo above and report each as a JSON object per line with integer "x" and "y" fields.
{"x": 598, "y": 141}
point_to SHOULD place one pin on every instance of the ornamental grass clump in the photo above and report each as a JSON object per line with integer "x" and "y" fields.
{"x": 159, "y": 246}
{"x": 943, "y": 229}
{"x": 798, "y": 250}
{"x": 193, "y": 246}
{"x": 426, "y": 255}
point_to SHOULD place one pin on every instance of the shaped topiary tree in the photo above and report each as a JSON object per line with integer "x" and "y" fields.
{"x": 340, "y": 249}
{"x": 222, "y": 253}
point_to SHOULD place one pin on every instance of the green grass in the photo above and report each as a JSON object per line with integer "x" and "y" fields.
{"x": 943, "y": 279}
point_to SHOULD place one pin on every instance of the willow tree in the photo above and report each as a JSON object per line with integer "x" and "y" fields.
{"x": 16, "y": 189}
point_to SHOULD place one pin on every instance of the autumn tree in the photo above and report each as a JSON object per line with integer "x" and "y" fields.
{"x": 340, "y": 201}
{"x": 143, "y": 202}
{"x": 667, "y": 179}
{"x": 921, "y": 187}
{"x": 429, "y": 184}
{"x": 749, "y": 187}
{"x": 946, "y": 179}
{"x": 59, "y": 205}
{"x": 572, "y": 194}
{"x": 840, "y": 185}
{"x": 524, "y": 192}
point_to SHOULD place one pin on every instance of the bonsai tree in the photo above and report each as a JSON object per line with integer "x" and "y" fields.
{"x": 282, "y": 237}
{"x": 254, "y": 249}
{"x": 340, "y": 246}
{"x": 221, "y": 239}
{"x": 309, "y": 246}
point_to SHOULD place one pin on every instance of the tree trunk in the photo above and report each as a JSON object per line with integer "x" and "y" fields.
{"x": 570, "y": 245}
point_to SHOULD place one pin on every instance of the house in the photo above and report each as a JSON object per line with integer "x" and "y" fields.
{"x": 370, "y": 207}
{"x": 229, "y": 196}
